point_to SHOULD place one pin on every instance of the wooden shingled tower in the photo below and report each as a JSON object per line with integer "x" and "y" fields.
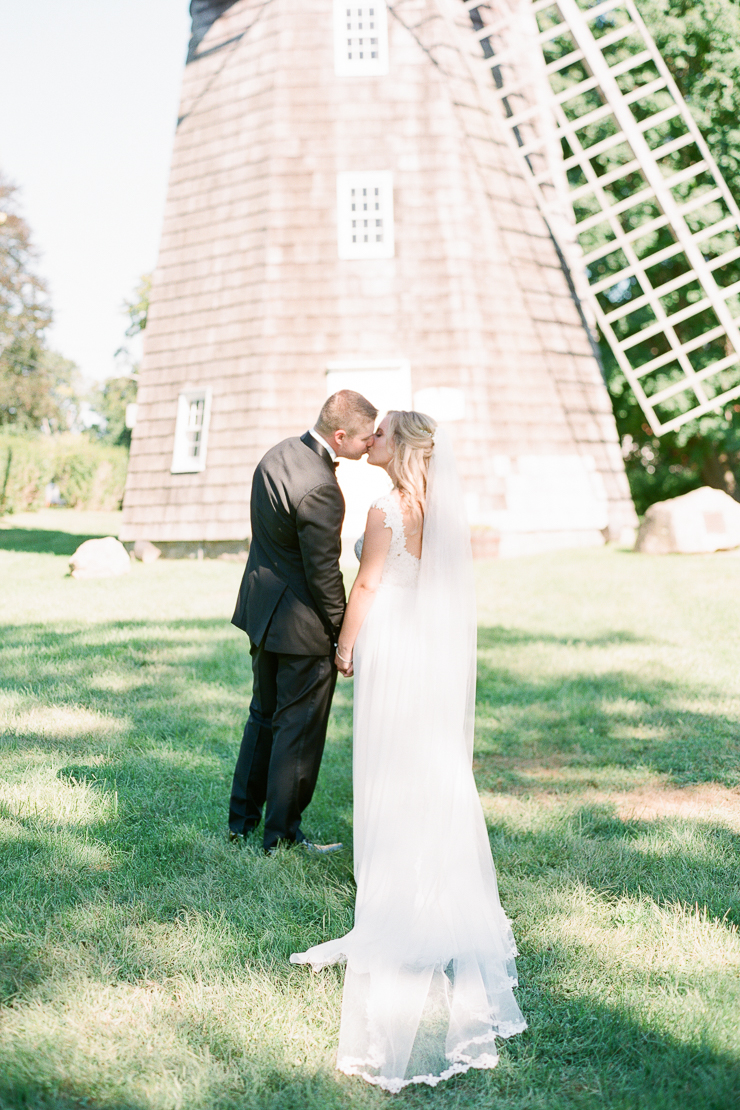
{"x": 346, "y": 209}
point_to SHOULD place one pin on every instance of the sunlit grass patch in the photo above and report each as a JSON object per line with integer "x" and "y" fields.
{"x": 144, "y": 961}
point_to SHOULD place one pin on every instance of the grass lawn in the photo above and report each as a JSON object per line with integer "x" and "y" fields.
{"x": 144, "y": 961}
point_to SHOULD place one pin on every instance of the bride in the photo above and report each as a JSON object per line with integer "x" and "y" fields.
{"x": 430, "y": 960}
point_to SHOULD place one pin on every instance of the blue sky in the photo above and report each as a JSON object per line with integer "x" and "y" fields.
{"x": 88, "y": 102}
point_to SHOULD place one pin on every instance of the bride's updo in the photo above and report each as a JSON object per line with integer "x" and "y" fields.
{"x": 411, "y": 441}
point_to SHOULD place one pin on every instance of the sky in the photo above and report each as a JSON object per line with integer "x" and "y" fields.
{"x": 89, "y": 94}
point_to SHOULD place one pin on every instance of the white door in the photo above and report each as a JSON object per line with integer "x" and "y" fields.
{"x": 387, "y": 385}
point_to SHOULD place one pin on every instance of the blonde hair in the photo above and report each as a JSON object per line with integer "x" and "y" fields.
{"x": 411, "y": 441}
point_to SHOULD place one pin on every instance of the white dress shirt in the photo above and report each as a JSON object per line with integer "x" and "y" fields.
{"x": 320, "y": 439}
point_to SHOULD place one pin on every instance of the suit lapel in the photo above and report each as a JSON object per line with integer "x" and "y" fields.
{"x": 322, "y": 452}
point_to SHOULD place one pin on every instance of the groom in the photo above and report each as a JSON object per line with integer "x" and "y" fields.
{"x": 291, "y": 604}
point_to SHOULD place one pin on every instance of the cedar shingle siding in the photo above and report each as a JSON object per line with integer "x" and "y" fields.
{"x": 251, "y": 300}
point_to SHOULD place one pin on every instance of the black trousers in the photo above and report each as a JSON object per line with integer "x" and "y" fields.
{"x": 283, "y": 742}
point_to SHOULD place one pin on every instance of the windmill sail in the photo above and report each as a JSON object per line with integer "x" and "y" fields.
{"x": 627, "y": 184}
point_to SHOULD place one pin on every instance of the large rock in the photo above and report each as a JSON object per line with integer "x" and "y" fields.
{"x": 104, "y": 558}
{"x": 146, "y": 552}
{"x": 698, "y": 522}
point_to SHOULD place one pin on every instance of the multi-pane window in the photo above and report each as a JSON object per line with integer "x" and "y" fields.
{"x": 191, "y": 431}
{"x": 365, "y": 215}
{"x": 360, "y": 39}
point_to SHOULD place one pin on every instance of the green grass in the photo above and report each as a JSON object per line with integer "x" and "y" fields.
{"x": 144, "y": 961}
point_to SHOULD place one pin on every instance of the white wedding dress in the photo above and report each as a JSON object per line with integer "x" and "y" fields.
{"x": 430, "y": 960}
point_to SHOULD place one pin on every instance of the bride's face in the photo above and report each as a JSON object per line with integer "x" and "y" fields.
{"x": 378, "y": 453}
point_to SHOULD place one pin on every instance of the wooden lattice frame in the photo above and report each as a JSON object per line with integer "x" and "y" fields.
{"x": 683, "y": 219}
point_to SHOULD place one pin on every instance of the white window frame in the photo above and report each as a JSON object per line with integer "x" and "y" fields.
{"x": 441, "y": 402}
{"x": 183, "y": 462}
{"x": 344, "y": 66}
{"x": 374, "y": 188}
{"x": 362, "y": 374}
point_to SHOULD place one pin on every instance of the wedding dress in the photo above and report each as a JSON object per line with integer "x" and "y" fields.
{"x": 430, "y": 960}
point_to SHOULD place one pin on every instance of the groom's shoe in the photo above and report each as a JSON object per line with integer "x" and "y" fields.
{"x": 305, "y": 846}
{"x": 240, "y": 837}
{"x": 318, "y": 849}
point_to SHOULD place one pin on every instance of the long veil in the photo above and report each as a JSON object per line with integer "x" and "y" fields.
{"x": 445, "y": 599}
{"x": 430, "y": 960}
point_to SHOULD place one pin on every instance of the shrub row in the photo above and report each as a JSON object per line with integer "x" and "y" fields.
{"x": 89, "y": 475}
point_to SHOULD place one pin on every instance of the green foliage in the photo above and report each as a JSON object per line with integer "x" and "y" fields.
{"x": 700, "y": 41}
{"x": 89, "y": 475}
{"x": 137, "y": 309}
{"x": 110, "y": 401}
{"x": 145, "y": 961}
{"x": 25, "y": 398}
{"x": 38, "y": 387}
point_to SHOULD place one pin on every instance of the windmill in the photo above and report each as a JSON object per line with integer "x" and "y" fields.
{"x": 604, "y": 135}
{"x": 377, "y": 196}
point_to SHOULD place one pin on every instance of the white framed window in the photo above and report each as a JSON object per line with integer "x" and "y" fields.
{"x": 191, "y": 431}
{"x": 360, "y": 39}
{"x": 441, "y": 402}
{"x": 365, "y": 214}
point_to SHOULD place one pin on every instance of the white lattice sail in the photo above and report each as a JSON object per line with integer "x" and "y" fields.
{"x": 637, "y": 204}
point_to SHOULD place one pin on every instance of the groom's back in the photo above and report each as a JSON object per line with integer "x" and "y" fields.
{"x": 292, "y": 587}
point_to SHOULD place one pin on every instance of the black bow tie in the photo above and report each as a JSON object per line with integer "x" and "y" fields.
{"x": 335, "y": 464}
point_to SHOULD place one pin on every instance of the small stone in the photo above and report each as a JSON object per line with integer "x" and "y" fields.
{"x": 698, "y": 522}
{"x": 104, "y": 558}
{"x": 146, "y": 552}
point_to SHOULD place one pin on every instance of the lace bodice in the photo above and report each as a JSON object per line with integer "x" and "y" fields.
{"x": 401, "y": 568}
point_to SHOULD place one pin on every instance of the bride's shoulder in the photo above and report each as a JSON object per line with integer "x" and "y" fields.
{"x": 388, "y": 502}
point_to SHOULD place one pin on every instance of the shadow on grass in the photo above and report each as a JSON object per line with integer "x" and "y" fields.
{"x": 165, "y": 705}
{"x": 43, "y": 541}
{"x": 595, "y": 719}
{"x": 498, "y": 636}
{"x": 666, "y": 860}
{"x": 578, "y": 1053}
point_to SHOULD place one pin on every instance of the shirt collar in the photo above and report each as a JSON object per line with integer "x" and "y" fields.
{"x": 320, "y": 439}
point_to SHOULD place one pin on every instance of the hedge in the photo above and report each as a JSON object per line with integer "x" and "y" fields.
{"x": 89, "y": 475}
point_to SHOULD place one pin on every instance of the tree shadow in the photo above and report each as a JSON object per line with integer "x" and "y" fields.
{"x": 667, "y": 860}
{"x": 592, "y": 719}
{"x": 178, "y": 703}
{"x": 43, "y": 540}
{"x": 498, "y": 636}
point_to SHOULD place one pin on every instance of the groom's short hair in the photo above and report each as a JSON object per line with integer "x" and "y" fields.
{"x": 346, "y": 410}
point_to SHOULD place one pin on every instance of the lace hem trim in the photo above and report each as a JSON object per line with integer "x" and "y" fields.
{"x": 461, "y": 1062}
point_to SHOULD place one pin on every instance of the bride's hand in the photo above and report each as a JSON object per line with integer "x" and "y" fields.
{"x": 344, "y": 665}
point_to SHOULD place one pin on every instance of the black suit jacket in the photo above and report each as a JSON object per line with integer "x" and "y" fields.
{"x": 292, "y": 587}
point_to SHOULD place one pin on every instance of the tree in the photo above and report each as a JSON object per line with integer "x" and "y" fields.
{"x": 110, "y": 401}
{"x": 26, "y": 397}
{"x": 700, "y": 41}
{"x": 116, "y": 394}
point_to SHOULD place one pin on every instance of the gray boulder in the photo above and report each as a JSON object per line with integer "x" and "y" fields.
{"x": 105, "y": 558}
{"x": 698, "y": 522}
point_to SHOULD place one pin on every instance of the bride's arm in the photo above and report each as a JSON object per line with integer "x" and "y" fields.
{"x": 374, "y": 550}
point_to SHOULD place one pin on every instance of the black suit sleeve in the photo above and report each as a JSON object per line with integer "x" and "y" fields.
{"x": 319, "y": 522}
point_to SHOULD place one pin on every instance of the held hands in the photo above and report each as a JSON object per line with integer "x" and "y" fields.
{"x": 344, "y": 663}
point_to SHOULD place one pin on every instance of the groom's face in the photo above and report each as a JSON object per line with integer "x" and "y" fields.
{"x": 354, "y": 446}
